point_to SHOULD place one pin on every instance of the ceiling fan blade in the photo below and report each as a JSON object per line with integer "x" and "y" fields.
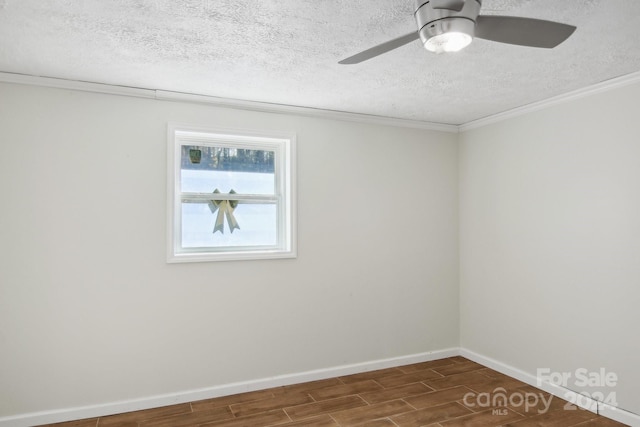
{"x": 380, "y": 49}
{"x": 522, "y": 31}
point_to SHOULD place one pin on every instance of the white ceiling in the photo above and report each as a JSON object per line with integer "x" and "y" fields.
{"x": 286, "y": 52}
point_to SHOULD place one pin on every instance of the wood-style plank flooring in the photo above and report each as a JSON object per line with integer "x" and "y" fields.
{"x": 442, "y": 393}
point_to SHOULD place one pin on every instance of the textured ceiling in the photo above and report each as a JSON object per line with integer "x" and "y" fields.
{"x": 286, "y": 52}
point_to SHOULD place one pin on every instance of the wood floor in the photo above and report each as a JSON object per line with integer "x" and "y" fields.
{"x": 443, "y": 393}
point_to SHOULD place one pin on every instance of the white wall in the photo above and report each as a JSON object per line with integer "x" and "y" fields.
{"x": 550, "y": 240}
{"x": 90, "y": 313}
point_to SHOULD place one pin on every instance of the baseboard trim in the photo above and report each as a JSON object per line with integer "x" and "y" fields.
{"x": 584, "y": 402}
{"x": 619, "y": 415}
{"x": 561, "y": 392}
{"x": 47, "y": 417}
{"x": 92, "y": 411}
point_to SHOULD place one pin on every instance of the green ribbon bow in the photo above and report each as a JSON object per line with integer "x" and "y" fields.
{"x": 224, "y": 208}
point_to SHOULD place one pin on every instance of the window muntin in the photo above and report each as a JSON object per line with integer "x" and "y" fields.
{"x": 232, "y": 195}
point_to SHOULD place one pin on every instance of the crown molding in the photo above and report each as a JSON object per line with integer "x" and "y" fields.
{"x": 264, "y": 107}
{"x": 26, "y": 79}
{"x": 597, "y": 88}
{"x": 221, "y": 102}
{"x": 304, "y": 111}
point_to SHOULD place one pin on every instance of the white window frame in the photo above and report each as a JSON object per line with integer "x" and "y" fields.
{"x": 284, "y": 146}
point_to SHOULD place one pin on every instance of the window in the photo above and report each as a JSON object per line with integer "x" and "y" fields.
{"x": 230, "y": 196}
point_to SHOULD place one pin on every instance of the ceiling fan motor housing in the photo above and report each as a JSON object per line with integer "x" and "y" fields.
{"x": 437, "y": 17}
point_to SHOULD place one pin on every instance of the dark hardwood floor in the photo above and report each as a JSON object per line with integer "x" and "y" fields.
{"x": 442, "y": 393}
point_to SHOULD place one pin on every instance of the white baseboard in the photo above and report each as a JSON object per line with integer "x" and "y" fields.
{"x": 619, "y": 415}
{"x": 47, "y": 417}
{"x": 584, "y": 402}
{"x": 561, "y": 392}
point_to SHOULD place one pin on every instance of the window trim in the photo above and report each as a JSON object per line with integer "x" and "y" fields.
{"x": 285, "y": 175}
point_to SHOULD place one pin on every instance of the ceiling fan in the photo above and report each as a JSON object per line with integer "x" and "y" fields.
{"x": 451, "y": 25}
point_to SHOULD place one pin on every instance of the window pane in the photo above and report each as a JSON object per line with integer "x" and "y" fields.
{"x": 205, "y": 168}
{"x": 257, "y": 222}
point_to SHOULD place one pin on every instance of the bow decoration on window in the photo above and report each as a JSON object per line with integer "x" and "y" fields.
{"x": 224, "y": 208}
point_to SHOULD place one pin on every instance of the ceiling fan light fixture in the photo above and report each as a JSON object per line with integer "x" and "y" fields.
{"x": 448, "y": 34}
{"x": 448, "y": 42}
